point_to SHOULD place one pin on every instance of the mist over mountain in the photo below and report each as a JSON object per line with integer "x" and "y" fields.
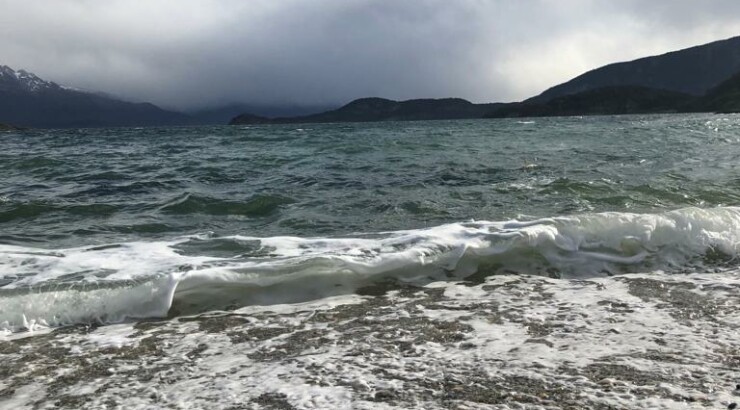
{"x": 689, "y": 80}
{"x": 29, "y": 101}
{"x": 668, "y": 83}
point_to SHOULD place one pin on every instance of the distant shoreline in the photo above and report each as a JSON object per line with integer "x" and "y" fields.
{"x": 602, "y": 101}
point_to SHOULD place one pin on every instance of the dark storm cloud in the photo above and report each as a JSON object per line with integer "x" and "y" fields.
{"x": 191, "y": 53}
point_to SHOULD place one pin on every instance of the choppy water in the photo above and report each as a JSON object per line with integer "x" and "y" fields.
{"x": 109, "y": 224}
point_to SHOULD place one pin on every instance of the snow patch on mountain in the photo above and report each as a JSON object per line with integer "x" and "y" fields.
{"x": 23, "y": 80}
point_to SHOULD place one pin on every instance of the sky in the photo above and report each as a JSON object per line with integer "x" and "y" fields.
{"x": 191, "y": 54}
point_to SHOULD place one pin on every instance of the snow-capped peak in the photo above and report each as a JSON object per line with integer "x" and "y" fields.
{"x": 23, "y": 80}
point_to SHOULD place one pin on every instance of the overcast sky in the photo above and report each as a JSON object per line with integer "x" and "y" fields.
{"x": 193, "y": 53}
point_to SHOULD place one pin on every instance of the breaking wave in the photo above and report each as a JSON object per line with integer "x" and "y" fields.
{"x": 136, "y": 280}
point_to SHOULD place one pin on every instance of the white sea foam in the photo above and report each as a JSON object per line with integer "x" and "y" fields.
{"x": 653, "y": 341}
{"x": 141, "y": 279}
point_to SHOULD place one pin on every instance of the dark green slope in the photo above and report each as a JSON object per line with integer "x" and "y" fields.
{"x": 692, "y": 71}
{"x": 65, "y": 108}
{"x": 601, "y": 101}
{"x": 222, "y": 115}
{"x": 381, "y": 109}
{"x": 725, "y": 98}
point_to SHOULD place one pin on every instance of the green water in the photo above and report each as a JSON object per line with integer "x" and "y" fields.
{"x": 71, "y": 187}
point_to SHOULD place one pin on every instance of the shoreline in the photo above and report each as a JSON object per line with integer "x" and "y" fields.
{"x": 638, "y": 340}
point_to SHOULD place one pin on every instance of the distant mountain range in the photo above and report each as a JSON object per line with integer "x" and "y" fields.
{"x": 222, "y": 115}
{"x": 692, "y": 71}
{"x": 698, "y": 79}
{"x": 704, "y": 78}
{"x": 380, "y": 109}
{"x": 724, "y": 98}
{"x": 27, "y": 100}
{"x": 601, "y": 101}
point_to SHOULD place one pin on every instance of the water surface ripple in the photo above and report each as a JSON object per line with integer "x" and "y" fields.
{"x": 72, "y": 187}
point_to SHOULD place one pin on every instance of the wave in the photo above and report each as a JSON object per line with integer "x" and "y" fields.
{"x": 258, "y": 205}
{"x": 135, "y": 280}
{"x": 13, "y": 210}
{"x": 184, "y": 204}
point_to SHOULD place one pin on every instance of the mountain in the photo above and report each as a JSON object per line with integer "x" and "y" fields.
{"x": 601, "y": 101}
{"x": 222, "y": 115}
{"x": 381, "y": 109}
{"x": 244, "y": 119}
{"x": 692, "y": 71}
{"x": 689, "y": 80}
{"x": 724, "y": 98}
{"x": 29, "y": 101}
